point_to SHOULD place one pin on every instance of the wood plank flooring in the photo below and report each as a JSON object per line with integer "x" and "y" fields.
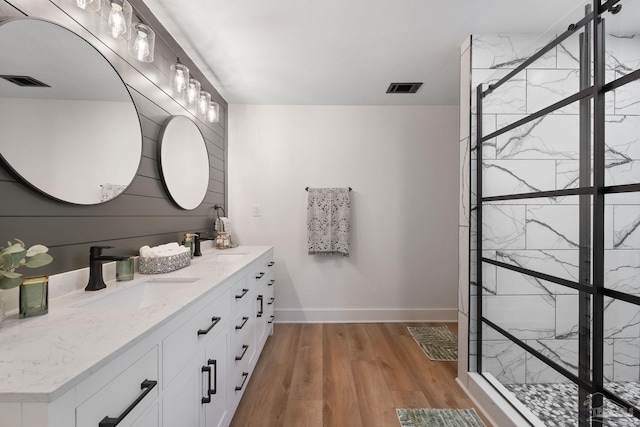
{"x": 345, "y": 375}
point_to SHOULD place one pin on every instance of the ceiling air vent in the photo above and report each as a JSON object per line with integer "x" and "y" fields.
{"x": 404, "y": 87}
{"x": 26, "y": 81}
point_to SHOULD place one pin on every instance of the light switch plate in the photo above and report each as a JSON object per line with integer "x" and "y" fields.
{"x": 257, "y": 210}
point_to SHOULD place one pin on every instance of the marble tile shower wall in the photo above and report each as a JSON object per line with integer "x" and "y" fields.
{"x": 543, "y": 234}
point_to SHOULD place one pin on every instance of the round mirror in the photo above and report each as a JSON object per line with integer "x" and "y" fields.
{"x": 68, "y": 125}
{"x": 184, "y": 162}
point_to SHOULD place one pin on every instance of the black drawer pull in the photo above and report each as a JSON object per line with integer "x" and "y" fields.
{"x": 271, "y": 300}
{"x": 259, "y": 275}
{"x": 147, "y": 386}
{"x": 215, "y": 321}
{"x": 245, "y": 375}
{"x": 214, "y": 390}
{"x": 270, "y": 264}
{"x": 244, "y": 322}
{"x": 271, "y": 321}
{"x": 244, "y": 350}
{"x": 261, "y": 309}
{"x": 271, "y": 282}
{"x": 244, "y": 292}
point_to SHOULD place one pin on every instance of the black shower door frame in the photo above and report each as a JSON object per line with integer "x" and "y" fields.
{"x": 590, "y": 284}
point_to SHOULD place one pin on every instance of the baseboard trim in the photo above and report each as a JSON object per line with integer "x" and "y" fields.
{"x": 365, "y": 315}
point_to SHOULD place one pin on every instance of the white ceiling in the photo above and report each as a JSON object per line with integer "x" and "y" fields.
{"x": 342, "y": 52}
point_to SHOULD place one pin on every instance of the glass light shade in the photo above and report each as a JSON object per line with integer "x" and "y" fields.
{"x": 213, "y": 113}
{"x": 115, "y": 18}
{"x": 203, "y": 102}
{"x": 142, "y": 43}
{"x": 193, "y": 93}
{"x": 87, "y": 4}
{"x": 179, "y": 75}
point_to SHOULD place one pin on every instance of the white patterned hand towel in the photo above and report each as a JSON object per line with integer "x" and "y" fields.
{"x": 328, "y": 221}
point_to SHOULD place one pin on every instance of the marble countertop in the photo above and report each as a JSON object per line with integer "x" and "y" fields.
{"x": 42, "y": 357}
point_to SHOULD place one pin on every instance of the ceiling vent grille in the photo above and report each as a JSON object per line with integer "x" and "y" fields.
{"x": 25, "y": 81}
{"x": 404, "y": 87}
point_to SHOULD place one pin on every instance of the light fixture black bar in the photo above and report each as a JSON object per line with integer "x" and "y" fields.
{"x": 627, "y": 78}
{"x": 597, "y": 356}
{"x": 539, "y": 54}
{"x": 627, "y": 188}
{"x": 307, "y": 189}
{"x": 552, "y": 364}
{"x": 631, "y": 299}
{"x": 540, "y": 194}
{"x": 553, "y": 279}
{"x": 479, "y": 283}
{"x": 584, "y": 257}
{"x": 583, "y": 94}
{"x": 635, "y": 411}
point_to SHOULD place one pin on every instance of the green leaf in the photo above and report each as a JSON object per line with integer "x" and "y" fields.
{"x": 11, "y": 274}
{"x": 13, "y": 249}
{"x": 39, "y": 260}
{"x": 6, "y": 262}
{"x": 6, "y": 283}
{"x": 37, "y": 249}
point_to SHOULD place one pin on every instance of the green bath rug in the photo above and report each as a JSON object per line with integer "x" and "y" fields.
{"x": 437, "y": 342}
{"x": 439, "y": 418}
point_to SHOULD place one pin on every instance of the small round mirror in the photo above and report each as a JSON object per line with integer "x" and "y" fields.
{"x": 69, "y": 127}
{"x": 184, "y": 162}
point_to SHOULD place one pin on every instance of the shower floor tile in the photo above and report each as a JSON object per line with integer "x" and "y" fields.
{"x": 556, "y": 404}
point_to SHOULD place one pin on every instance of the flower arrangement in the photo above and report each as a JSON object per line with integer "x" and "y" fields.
{"x": 16, "y": 255}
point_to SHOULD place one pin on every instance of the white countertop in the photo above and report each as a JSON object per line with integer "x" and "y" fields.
{"x": 42, "y": 357}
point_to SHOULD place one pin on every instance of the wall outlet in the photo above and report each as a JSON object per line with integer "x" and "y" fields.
{"x": 257, "y": 210}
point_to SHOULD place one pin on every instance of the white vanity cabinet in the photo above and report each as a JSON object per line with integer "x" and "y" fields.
{"x": 190, "y": 370}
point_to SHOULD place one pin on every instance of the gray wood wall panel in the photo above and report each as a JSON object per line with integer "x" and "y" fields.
{"x": 144, "y": 213}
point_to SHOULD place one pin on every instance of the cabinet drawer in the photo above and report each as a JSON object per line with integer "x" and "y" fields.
{"x": 127, "y": 396}
{"x": 180, "y": 346}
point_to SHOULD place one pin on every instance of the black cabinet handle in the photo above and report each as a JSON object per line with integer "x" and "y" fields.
{"x": 259, "y": 275}
{"x": 244, "y": 350}
{"x": 271, "y": 282}
{"x": 207, "y": 369}
{"x": 271, "y": 300}
{"x": 245, "y": 375}
{"x": 244, "y": 292}
{"x": 147, "y": 386}
{"x": 244, "y": 322}
{"x": 271, "y": 321}
{"x": 270, "y": 264}
{"x": 261, "y": 309}
{"x": 215, "y": 321}
{"x": 207, "y": 399}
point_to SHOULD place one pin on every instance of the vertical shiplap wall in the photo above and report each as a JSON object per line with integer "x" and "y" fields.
{"x": 144, "y": 214}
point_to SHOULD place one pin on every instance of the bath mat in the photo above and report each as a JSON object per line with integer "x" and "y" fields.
{"x": 439, "y": 418}
{"x": 437, "y": 342}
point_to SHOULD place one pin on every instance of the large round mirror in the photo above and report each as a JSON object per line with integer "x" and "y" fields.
{"x": 68, "y": 125}
{"x": 184, "y": 162}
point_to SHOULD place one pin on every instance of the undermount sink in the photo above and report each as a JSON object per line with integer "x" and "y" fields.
{"x": 230, "y": 257}
{"x": 139, "y": 295}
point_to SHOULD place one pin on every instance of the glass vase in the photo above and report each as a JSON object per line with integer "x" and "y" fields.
{"x": 34, "y": 296}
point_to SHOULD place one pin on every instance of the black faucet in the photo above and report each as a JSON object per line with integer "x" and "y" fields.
{"x": 96, "y": 282}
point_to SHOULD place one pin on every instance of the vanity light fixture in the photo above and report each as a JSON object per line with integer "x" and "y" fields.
{"x": 193, "y": 93}
{"x": 142, "y": 43}
{"x": 116, "y": 18}
{"x": 213, "y": 112}
{"x": 203, "y": 102}
{"x": 179, "y": 75}
{"x": 84, "y": 4}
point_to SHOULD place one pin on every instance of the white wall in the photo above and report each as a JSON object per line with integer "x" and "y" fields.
{"x": 402, "y": 163}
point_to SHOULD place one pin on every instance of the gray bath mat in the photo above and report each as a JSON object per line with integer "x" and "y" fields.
{"x": 437, "y": 342}
{"x": 439, "y": 418}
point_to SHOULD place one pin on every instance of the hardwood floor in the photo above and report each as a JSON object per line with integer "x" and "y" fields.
{"x": 345, "y": 375}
